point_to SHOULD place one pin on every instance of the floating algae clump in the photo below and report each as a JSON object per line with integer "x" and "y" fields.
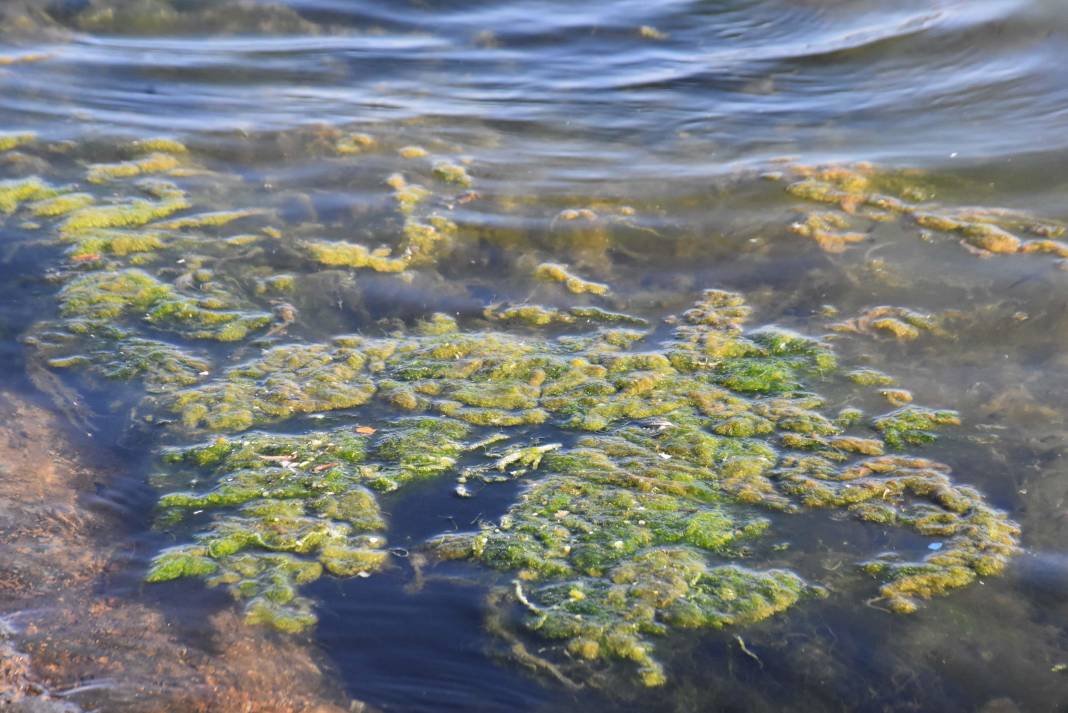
{"x": 286, "y": 380}
{"x": 285, "y": 509}
{"x": 452, "y": 173}
{"x": 899, "y": 322}
{"x": 624, "y": 535}
{"x": 16, "y": 192}
{"x": 862, "y": 193}
{"x": 650, "y": 458}
{"x": 158, "y": 365}
{"x": 61, "y": 205}
{"x": 97, "y": 299}
{"x": 574, "y": 283}
{"x": 10, "y": 141}
{"x": 153, "y": 163}
{"x": 343, "y": 254}
{"x": 132, "y": 214}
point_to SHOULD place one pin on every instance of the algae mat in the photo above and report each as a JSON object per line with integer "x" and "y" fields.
{"x": 651, "y": 448}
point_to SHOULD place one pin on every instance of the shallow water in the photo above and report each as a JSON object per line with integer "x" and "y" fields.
{"x": 680, "y": 125}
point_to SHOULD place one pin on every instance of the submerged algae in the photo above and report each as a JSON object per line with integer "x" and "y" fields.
{"x": 639, "y": 526}
{"x": 287, "y": 509}
{"x": 153, "y": 163}
{"x": 633, "y": 521}
{"x": 574, "y": 283}
{"x": 862, "y": 192}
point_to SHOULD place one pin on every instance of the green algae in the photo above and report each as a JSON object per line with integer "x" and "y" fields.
{"x": 898, "y": 322}
{"x": 913, "y": 425}
{"x": 287, "y": 509}
{"x": 574, "y": 283}
{"x": 153, "y": 163}
{"x": 864, "y": 194}
{"x": 410, "y": 152}
{"x": 213, "y": 219}
{"x": 647, "y": 521}
{"x": 12, "y": 140}
{"x": 159, "y": 144}
{"x": 355, "y": 143}
{"x": 132, "y": 214}
{"x": 14, "y": 193}
{"x": 98, "y": 299}
{"x": 61, "y": 204}
{"x": 342, "y": 254}
{"x": 286, "y": 380}
{"x": 452, "y": 173}
{"x": 159, "y": 366}
{"x": 622, "y": 536}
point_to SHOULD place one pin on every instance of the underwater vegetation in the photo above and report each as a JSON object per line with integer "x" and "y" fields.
{"x": 651, "y": 458}
{"x": 860, "y": 195}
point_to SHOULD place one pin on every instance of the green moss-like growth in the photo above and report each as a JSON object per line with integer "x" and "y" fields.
{"x": 16, "y": 192}
{"x": 212, "y": 219}
{"x": 96, "y": 300}
{"x": 342, "y": 254}
{"x": 159, "y": 145}
{"x": 452, "y": 173}
{"x": 574, "y": 283}
{"x": 912, "y": 425}
{"x": 642, "y": 508}
{"x": 863, "y": 192}
{"x": 12, "y": 140}
{"x": 355, "y": 143}
{"x": 285, "y": 509}
{"x": 115, "y": 242}
{"x": 132, "y": 214}
{"x": 285, "y": 381}
{"x": 158, "y": 365}
{"x": 153, "y": 163}
{"x": 61, "y": 204}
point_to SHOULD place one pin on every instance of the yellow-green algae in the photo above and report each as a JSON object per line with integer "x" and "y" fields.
{"x": 158, "y": 365}
{"x": 134, "y": 213}
{"x": 94, "y": 301}
{"x": 287, "y": 509}
{"x": 14, "y": 193}
{"x": 355, "y": 143}
{"x": 574, "y": 283}
{"x": 153, "y": 163}
{"x": 343, "y": 254}
{"x": 641, "y": 525}
{"x": 623, "y": 536}
{"x": 159, "y": 145}
{"x": 61, "y": 204}
{"x": 862, "y": 192}
{"x": 452, "y": 173}
{"x": 11, "y": 140}
{"x": 898, "y": 322}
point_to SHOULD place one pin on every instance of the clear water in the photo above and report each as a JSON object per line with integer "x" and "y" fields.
{"x": 567, "y": 105}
